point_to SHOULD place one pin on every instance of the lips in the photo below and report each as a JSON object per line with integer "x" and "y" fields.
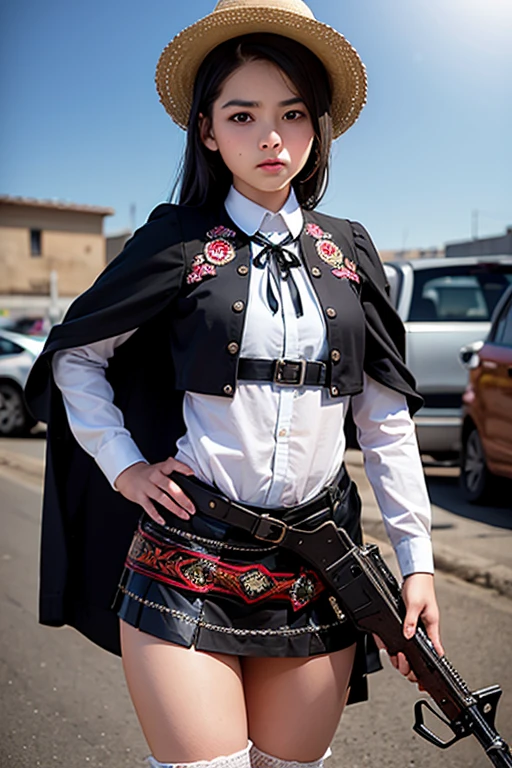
{"x": 270, "y": 163}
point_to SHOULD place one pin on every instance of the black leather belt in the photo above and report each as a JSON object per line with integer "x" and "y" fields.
{"x": 286, "y": 373}
{"x": 266, "y": 524}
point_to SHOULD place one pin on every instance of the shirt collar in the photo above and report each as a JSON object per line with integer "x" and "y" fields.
{"x": 251, "y": 217}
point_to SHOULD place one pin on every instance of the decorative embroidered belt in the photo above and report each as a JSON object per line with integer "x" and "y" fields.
{"x": 177, "y": 566}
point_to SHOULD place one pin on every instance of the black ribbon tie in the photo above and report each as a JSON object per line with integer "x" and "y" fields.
{"x": 284, "y": 260}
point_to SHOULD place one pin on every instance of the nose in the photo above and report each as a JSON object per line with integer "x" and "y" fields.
{"x": 271, "y": 140}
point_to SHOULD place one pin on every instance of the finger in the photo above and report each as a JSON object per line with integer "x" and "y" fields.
{"x": 411, "y": 621}
{"x": 403, "y": 665}
{"x": 173, "y": 490}
{"x": 165, "y": 501}
{"x": 150, "y": 510}
{"x": 432, "y": 628}
{"x": 180, "y": 497}
{"x": 171, "y": 465}
{"x": 183, "y": 468}
{"x": 378, "y": 642}
{"x": 405, "y": 668}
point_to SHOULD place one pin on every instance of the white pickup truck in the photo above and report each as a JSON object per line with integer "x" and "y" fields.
{"x": 445, "y": 304}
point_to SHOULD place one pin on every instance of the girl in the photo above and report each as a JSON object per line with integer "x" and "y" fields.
{"x": 220, "y": 351}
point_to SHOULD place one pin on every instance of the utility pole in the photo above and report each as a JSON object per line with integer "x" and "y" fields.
{"x": 474, "y": 224}
{"x": 405, "y": 235}
{"x": 54, "y": 312}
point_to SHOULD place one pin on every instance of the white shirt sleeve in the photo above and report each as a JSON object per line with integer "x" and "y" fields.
{"x": 387, "y": 437}
{"x": 94, "y": 420}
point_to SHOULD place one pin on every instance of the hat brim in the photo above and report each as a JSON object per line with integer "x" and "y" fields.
{"x": 180, "y": 60}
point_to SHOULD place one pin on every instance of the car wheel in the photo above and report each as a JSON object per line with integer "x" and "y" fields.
{"x": 475, "y": 478}
{"x": 14, "y": 418}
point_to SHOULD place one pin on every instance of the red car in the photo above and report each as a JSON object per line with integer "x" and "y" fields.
{"x": 487, "y": 419}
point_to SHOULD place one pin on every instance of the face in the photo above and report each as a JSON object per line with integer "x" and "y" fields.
{"x": 263, "y": 131}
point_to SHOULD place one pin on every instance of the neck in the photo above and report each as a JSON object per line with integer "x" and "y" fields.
{"x": 272, "y": 201}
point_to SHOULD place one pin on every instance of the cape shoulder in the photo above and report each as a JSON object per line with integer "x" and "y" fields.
{"x": 366, "y": 254}
{"x": 385, "y": 332}
{"x": 132, "y": 289}
{"x": 369, "y": 258}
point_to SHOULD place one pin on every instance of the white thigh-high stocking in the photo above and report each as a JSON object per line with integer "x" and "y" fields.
{"x": 260, "y": 759}
{"x": 236, "y": 760}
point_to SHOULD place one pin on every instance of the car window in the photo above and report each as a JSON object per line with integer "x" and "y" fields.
{"x": 467, "y": 293}
{"x": 8, "y": 347}
{"x": 503, "y": 330}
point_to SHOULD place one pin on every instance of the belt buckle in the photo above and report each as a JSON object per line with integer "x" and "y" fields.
{"x": 279, "y": 373}
{"x": 268, "y": 525}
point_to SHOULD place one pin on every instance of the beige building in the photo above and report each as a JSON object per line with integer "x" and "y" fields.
{"x": 116, "y": 243}
{"x": 41, "y": 236}
{"x": 412, "y": 253}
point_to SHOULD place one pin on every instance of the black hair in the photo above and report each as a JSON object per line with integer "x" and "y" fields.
{"x": 203, "y": 176}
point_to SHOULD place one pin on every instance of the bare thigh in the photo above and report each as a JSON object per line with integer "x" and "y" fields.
{"x": 294, "y": 705}
{"x": 190, "y": 704}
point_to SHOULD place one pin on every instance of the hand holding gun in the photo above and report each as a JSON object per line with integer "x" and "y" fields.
{"x": 418, "y": 594}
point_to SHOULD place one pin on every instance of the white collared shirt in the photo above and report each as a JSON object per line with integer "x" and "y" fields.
{"x": 268, "y": 446}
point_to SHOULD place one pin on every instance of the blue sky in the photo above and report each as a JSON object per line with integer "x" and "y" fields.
{"x": 82, "y": 121}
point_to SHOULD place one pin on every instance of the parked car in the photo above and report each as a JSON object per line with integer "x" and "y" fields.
{"x": 487, "y": 419}
{"x": 445, "y": 304}
{"x": 17, "y": 354}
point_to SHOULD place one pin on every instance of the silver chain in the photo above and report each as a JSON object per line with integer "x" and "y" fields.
{"x": 286, "y": 631}
{"x": 217, "y": 544}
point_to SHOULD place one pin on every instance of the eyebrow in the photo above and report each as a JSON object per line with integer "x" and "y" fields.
{"x": 253, "y": 104}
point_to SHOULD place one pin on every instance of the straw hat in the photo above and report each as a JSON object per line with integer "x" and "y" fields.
{"x": 177, "y": 67}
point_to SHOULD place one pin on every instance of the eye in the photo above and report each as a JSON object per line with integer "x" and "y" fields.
{"x": 240, "y": 117}
{"x": 294, "y": 114}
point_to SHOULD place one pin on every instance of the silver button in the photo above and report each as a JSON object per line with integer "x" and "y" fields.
{"x": 316, "y": 271}
{"x": 331, "y": 312}
{"x": 243, "y": 270}
{"x": 335, "y": 355}
{"x": 233, "y": 347}
{"x": 335, "y": 391}
{"x": 227, "y": 389}
{"x": 238, "y": 306}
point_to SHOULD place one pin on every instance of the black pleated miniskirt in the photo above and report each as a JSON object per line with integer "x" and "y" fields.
{"x": 210, "y": 585}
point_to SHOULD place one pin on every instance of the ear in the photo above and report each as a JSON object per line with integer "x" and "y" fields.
{"x": 206, "y": 133}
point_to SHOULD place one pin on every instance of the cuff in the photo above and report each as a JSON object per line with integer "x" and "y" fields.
{"x": 116, "y": 456}
{"x": 414, "y": 555}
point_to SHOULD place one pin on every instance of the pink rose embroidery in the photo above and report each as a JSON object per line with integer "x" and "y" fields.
{"x": 199, "y": 271}
{"x": 347, "y": 273}
{"x": 315, "y": 231}
{"x": 329, "y": 252}
{"x": 220, "y": 231}
{"x": 219, "y": 252}
{"x": 341, "y": 266}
